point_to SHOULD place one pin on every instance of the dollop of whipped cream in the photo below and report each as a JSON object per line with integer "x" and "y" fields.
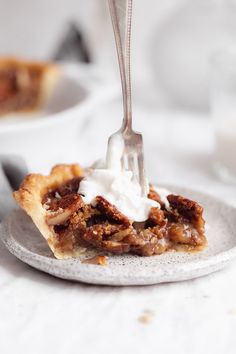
{"x": 119, "y": 189}
{"x": 117, "y": 186}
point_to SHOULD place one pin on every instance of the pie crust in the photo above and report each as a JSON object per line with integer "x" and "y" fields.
{"x": 30, "y": 195}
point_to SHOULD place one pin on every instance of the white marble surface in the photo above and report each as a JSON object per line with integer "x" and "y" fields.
{"x": 42, "y": 314}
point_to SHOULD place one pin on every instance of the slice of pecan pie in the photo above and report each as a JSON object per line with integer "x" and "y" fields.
{"x": 67, "y": 223}
{"x": 25, "y": 85}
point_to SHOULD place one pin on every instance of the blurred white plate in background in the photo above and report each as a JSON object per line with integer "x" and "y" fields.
{"x": 78, "y": 84}
{"x": 53, "y": 132}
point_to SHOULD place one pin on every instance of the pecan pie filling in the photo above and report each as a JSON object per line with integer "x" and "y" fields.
{"x": 180, "y": 226}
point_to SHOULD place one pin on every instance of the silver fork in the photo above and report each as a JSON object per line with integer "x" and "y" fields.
{"x": 131, "y": 142}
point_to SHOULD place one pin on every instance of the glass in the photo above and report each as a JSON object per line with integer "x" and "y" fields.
{"x": 223, "y": 107}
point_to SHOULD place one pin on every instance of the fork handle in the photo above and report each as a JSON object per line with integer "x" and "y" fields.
{"x": 121, "y": 16}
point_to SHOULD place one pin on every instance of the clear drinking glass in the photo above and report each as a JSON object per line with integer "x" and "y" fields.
{"x": 223, "y": 107}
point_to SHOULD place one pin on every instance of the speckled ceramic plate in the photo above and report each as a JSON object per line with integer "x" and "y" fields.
{"x": 25, "y": 242}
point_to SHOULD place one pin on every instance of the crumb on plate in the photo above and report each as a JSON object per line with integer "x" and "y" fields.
{"x": 97, "y": 260}
{"x": 146, "y": 317}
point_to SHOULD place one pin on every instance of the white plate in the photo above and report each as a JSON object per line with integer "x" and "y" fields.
{"x": 24, "y": 241}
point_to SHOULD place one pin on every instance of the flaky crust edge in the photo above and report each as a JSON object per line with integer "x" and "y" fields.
{"x": 29, "y": 197}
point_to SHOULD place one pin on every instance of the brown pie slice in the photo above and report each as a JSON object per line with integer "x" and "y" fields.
{"x": 67, "y": 223}
{"x": 25, "y": 85}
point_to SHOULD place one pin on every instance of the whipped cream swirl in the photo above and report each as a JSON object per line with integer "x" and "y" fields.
{"x": 119, "y": 189}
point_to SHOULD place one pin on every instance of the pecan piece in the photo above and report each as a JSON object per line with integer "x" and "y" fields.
{"x": 189, "y": 210}
{"x": 64, "y": 208}
{"x": 71, "y": 186}
{"x": 111, "y": 212}
{"x": 96, "y": 260}
{"x": 156, "y": 217}
{"x": 96, "y": 233}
